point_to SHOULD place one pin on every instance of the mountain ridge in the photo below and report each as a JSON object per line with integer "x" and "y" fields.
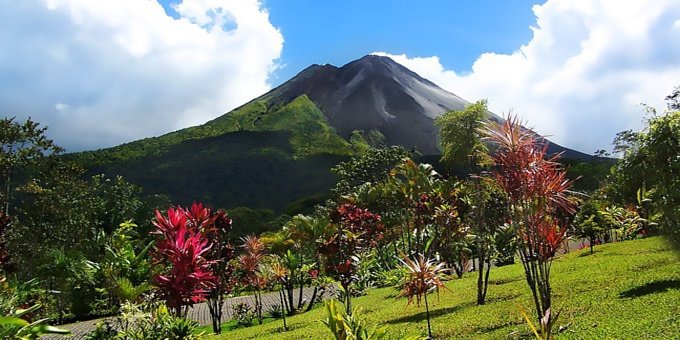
{"x": 307, "y": 124}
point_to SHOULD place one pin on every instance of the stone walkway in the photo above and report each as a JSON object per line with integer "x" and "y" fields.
{"x": 200, "y": 312}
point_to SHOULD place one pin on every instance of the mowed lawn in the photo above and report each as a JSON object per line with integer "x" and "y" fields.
{"x": 625, "y": 290}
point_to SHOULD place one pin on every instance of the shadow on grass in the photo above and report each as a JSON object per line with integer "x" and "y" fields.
{"x": 433, "y": 313}
{"x": 503, "y": 281}
{"x": 494, "y": 327}
{"x": 588, "y": 253}
{"x": 279, "y": 330}
{"x": 502, "y": 298}
{"x": 651, "y": 288}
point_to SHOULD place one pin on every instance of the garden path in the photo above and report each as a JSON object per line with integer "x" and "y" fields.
{"x": 200, "y": 312}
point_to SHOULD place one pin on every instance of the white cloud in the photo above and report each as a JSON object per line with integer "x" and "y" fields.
{"x": 584, "y": 73}
{"x": 129, "y": 70}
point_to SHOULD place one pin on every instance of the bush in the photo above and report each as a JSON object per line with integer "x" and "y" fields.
{"x": 275, "y": 311}
{"x": 243, "y": 314}
{"x": 390, "y": 278}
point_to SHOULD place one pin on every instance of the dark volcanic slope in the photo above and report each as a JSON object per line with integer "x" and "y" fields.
{"x": 374, "y": 93}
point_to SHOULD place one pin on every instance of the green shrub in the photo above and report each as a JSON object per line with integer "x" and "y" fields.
{"x": 350, "y": 327}
{"x": 243, "y": 314}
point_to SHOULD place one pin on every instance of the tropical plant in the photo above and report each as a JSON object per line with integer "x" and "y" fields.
{"x": 182, "y": 250}
{"x": 125, "y": 267}
{"x": 280, "y": 274}
{"x": 251, "y": 271}
{"x": 356, "y": 229}
{"x": 243, "y": 314}
{"x": 221, "y": 254}
{"x": 652, "y": 161}
{"x": 546, "y": 324}
{"x": 485, "y": 213}
{"x": 14, "y": 327}
{"x": 538, "y": 194}
{"x": 148, "y": 322}
{"x": 423, "y": 276}
{"x": 349, "y": 326}
{"x": 589, "y": 223}
{"x": 104, "y": 330}
{"x": 460, "y": 136}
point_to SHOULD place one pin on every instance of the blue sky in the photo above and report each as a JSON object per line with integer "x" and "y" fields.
{"x": 337, "y": 32}
{"x": 102, "y": 73}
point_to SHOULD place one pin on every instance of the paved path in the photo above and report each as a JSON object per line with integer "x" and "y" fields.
{"x": 200, "y": 312}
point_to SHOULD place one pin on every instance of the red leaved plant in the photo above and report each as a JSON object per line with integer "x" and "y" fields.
{"x": 538, "y": 192}
{"x": 355, "y": 229}
{"x": 182, "y": 250}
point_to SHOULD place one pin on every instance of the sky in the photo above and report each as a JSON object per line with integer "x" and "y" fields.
{"x": 101, "y": 73}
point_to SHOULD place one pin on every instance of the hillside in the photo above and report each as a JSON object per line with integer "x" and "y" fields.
{"x": 279, "y": 147}
{"x": 625, "y": 290}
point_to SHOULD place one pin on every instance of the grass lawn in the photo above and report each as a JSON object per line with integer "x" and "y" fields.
{"x": 625, "y": 290}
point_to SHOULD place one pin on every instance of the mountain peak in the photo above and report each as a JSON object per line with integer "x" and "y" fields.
{"x": 373, "y": 93}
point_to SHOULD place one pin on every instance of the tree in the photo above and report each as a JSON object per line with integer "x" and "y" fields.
{"x": 423, "y": 276}
{"x": 23, "y": 146}
{"x": 460, "y": 136}
{"x": 280, "y": 274}
{"x": 221, "y": 255}
{"x": 538, "y": 195}
{"x": 182, "y": 249}
{"x": 589, "y": 222}
{"x": 250, "y": 265}
{"x": 372, "y": 166}
{"x": 653, "y": 166}
{"x": 485, "y": 214}
{"x": 355, "y": 229}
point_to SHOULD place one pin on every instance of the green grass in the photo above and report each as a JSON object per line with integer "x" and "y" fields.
{"x": 626, "y": 290}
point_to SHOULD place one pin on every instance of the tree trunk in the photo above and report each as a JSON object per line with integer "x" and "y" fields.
{"x": 312, "y": 299}
{"x": 480, "y": 277}
{"x": 283, "y": 310}
{"x": 427, "y": 315}
{"x": 215, "y": 307}
{"x": 486, "y": 278}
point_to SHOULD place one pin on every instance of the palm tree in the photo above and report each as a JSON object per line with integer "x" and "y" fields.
{"x": 423, "y": 277}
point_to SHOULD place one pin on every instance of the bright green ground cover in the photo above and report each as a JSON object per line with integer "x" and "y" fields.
{"x": 626, "y": 290}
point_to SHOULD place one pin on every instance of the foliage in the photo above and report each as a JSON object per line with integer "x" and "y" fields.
{"x": 537, "y": 190}
{"x": 485, "y": 211}
{"x": 15, "y": 327}
{"x": 281, "y": 276}
{"x": 589, "y": 222}
{"x": 639, "y": 303}
{"x": 356, "y": 229}
{"x": 24, "y": 146}
{"x": 104, "y": 330}
{"x": 254, "y": 147}
{"x": 371, "y": 166}
{"x": 183, "y": 249}
{"x": 423, "y": 276}
{"x": 250, "y": 266}
{"x": 460, "y": 139}
{"x": 125, "y": 264}
{"x": 146, "y": 322}
{"x": 653, "y": 163}
{"x": 243, "y": 314}
{"x": 546, "y": 325}
{"x": 391, "y": 278}
{"x": 221, "y": 253}
{"x": 349, "y": 326}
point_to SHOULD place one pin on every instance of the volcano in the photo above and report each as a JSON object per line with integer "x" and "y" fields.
{"x": 279, "y": 147}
